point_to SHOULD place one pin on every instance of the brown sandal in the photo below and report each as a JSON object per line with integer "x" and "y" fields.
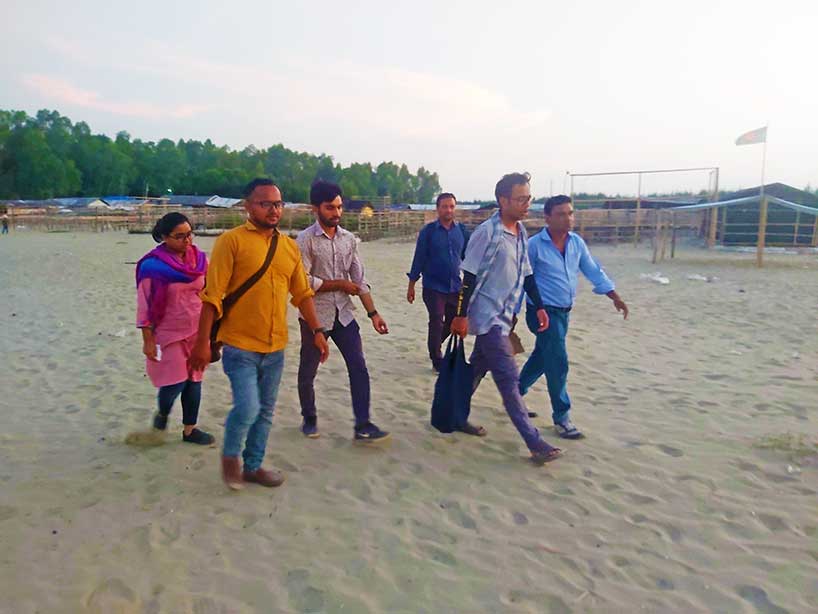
{"x": 470, "y": 429}
{"x": 546, "y": 455}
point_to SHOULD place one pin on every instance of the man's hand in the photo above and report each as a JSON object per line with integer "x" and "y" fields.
{"x": 200, "y": 356}
{"x": 350, "y": 287}
{"x": 621, "y": 307}
{"x": 460, "y": 326}
{"x": 542, "y": 318}
{"x": 379, "y": 324}
{"x": 149, "y": 349}
{"x": 410, "y": 292}
{"x": 321, "y": 344}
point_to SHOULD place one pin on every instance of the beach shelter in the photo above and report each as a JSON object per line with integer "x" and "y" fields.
{"x": 783, "y": 217}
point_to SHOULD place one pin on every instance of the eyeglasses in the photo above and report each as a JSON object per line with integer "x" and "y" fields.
{"x": 521, "y": 200}
{"x": 183, "y": 236}
{"x": 268, "y": 204}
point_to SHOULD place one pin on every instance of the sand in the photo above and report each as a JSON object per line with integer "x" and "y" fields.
{"x": 695, "y": 490}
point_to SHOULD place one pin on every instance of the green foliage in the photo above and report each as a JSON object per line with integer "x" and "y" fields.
{"x": 48, "y": 156}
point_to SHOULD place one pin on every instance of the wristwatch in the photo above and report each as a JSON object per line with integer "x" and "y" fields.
{"x": 372, "y": 314}
{"x": 320, "y": 329}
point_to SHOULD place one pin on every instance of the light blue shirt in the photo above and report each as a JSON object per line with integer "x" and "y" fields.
{"x": 557, "y": 275}
{"x": 501, "y": 296}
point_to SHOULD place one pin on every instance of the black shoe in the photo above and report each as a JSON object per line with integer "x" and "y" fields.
{"x": 160, "y": 422}
{"x": 369, "y": 433}
{"x": 199, "y": 437}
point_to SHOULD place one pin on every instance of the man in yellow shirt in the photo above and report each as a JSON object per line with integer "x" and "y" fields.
{"x": 254, "y": 331}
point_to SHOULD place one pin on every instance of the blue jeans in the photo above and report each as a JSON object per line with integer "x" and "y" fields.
{"x": 492, "y": 352}
{"x": 549, "y": 358}
{"x": 254, "y": 378}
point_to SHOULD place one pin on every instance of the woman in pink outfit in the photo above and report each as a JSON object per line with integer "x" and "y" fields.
{"x": 168, "y": 281}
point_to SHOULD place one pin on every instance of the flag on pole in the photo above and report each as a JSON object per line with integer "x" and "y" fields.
{"x": 754, "y": 136}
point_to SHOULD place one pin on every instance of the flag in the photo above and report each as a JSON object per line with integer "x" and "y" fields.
{"x": 754, "y": 136}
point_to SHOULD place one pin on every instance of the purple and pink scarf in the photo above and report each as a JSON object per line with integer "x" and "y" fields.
{"x": 163, "y": 268}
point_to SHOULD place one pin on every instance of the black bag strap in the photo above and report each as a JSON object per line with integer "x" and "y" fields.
{"x": 234, "y": 296}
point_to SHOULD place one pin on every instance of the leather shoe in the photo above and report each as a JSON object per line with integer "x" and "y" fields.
{"x": 266, "y": 477}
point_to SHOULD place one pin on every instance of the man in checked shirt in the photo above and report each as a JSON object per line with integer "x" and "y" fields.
{"x": 335, "y": 273}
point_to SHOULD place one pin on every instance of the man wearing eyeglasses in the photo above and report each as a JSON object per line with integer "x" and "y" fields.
{"x": 254, "y": 330}
{"x": 496, "y": 274}
{"x": 336, "y": 273}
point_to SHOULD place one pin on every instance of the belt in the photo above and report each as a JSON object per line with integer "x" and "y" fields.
{"x": 551, "y": 308}
{"x": 557, "y": 309}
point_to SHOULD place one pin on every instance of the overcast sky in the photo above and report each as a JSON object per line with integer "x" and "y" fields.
{"x": 469, "y": 89}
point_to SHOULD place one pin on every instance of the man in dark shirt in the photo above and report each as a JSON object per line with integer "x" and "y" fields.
{"x": 438, "y": 254}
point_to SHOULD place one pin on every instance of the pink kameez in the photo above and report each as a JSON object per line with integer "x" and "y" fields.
{"x": 176, "y": 332}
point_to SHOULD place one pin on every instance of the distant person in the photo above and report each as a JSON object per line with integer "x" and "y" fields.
{"x": 5, "y": 221}
{"x": 496, "y": 272}
{"x": 168, "y": 281}
{"x": 557, "y": 257}
{"x": 438, "y": 255}
{"x": 335, "y": 273}
{"x": 254, "y": 330}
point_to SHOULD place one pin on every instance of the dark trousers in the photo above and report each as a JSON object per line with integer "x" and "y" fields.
{"x": 549, "y": 358}
{"x": 492, "y": 352}
{"x": 191, "y": 398}
{"x": 442, "y": 307}
{"x": 348, "y": 341}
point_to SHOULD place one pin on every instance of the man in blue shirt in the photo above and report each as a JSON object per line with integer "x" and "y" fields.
{"x": 557, "y": 256}
{"x": 438, "y": 254}
{"x": 496, "y": 275}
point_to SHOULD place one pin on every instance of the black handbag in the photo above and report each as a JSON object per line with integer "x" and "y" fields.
{"x": 233, "y": 297}
{"x": 453, "y": 389}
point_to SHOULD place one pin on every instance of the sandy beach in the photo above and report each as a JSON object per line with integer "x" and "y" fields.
{"x": 696, "y": 489}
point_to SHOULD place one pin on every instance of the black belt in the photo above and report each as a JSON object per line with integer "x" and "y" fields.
{"x": 557, "y": 309}
{"x": 551, "y": 308}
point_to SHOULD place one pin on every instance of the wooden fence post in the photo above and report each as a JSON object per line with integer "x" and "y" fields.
{"x": 762, "y": 232}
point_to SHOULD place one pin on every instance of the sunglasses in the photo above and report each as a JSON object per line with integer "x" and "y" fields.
{"x": 183, "y": 236}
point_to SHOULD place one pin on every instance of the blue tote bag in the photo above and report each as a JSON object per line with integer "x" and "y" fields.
{"x": 453, "y": 389}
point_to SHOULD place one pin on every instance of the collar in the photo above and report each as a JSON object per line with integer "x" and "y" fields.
{"x": 439, "y": 225}
{"x": 318, "y": 231}
{"x": 546, "y": 236}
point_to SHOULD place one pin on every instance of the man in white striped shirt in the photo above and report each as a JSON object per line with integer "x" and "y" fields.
{"x": 335, "y": 273}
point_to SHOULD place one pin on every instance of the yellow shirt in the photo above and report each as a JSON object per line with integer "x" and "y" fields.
{"x": 258, "y": 321}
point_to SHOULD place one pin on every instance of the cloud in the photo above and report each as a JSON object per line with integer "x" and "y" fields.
{"x": 64, "y": 92}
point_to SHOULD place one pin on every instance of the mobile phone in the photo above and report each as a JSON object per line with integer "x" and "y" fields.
{"x": 158, "y": 353}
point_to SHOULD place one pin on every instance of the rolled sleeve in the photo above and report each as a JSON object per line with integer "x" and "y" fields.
{"x": 299, "y": 285}
{"x": 219, "y": 273}
{"x": 356, "y": 271}
{"x": 476, "y": 250}
{"x": 305, "y": 247}
{"x": 594, "y": 272}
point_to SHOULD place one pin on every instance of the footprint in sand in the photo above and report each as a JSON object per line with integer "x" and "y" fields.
{"x": 304, "y": 597}
{"x": 758, "y": 597}
{"x": 773, "y": 523}
{"x": 670, "y": 451}
{"x": 438, "y": 554}
{"x": 519, "y": 518}
{"x": 457, "y": 515}
{"x": 113, "y": 595}
{"x": 205, "y": 605}
{"x": 7, "y": 512}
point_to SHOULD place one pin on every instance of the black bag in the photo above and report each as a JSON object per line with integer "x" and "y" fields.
{"x": 231, "y": 299}
{"x": 453, "y": 389}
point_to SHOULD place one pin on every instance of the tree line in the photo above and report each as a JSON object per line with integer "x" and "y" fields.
{"x": 48, "y": 156}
